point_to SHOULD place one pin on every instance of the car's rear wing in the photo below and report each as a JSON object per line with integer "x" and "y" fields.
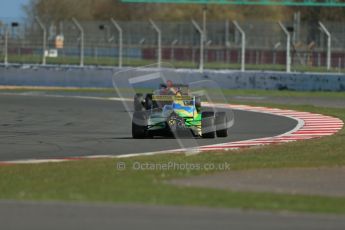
{"x": 171, "y": 98}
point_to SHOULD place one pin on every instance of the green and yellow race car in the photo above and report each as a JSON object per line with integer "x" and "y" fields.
{"x": 171, "y": 111}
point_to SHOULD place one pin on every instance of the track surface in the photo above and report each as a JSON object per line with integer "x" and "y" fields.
{"x": 37, "y": 127}
{"x": 36, "y": 216}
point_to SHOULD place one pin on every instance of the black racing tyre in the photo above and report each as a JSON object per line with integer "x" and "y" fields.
{"x": 149, "y": 103}
{"x": 198, "y": 104}
{"x": 139, "y": 125}
{"x": 208, "y": 125}
{"x": 138, "y": 102}
{"x": 221, "y": 124}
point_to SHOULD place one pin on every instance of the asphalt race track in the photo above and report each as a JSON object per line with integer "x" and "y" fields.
{"x": 53, "y": 215}
{"x": 41, "y": 127}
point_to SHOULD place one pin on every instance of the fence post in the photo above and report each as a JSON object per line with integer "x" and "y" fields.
{"x": 119, "y": 30}
{"x": 81, "y": 30}
{"x": 227, "y": 42}
{"x": 172, "y": 51}
{"x": 44, "y": 45}
{"x": 6, "y": 47}
{"x": 243, "y": 45}
{"x": 201, "y": 32}
{"x": 288, "y": 55}
{"x": 159, "y": 37}
{"x": 204, "y": 20}
{"x": 328, "y": 34}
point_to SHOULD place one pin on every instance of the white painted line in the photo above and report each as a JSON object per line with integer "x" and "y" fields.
{"x": 142, "y": 78}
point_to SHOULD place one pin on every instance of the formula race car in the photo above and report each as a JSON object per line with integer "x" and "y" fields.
{"x": 171, "y": 111}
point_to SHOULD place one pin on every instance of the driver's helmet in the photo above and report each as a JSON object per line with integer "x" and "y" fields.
{"x": 168, "y": 88}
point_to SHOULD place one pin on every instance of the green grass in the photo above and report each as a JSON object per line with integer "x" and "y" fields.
{"x": 99, "y": 180}
{"x": 283, "y": 93}
{"x": 110, "y": 61}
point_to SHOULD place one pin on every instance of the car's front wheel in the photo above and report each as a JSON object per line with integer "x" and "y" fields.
{"x": 138, "y": 102}
{"x": 139, "y": 125}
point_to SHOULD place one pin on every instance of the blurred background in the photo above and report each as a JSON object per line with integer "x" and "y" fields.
{"x": 65, "y": 30}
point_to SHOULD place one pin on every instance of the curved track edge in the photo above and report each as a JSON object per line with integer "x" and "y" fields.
{"x": 310, "y": 126}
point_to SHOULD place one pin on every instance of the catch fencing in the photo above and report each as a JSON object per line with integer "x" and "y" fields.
{"x": 256, "y": 45}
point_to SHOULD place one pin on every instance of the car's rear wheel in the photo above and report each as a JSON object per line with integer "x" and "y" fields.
{"x": 198, "y": 104}
{"x": 139, "y": 125}
{"x": 221, "y": 124}
{"x": 149, "y": 103}
{"x": 208, "y": 125}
